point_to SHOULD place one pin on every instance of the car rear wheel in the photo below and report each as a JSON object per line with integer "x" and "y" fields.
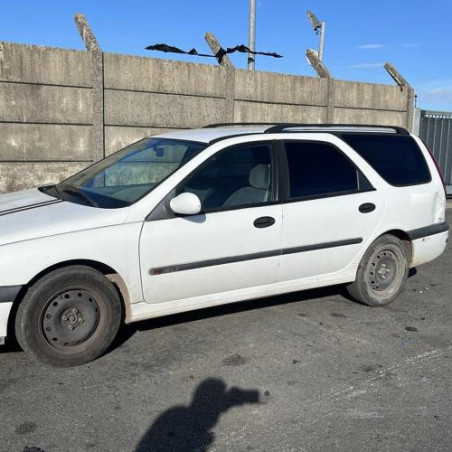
{"x": 69, "y": 317}
{"x": 382, "y": 272}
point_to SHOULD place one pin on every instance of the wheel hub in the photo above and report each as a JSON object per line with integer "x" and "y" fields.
{"x": 383, "y": 269}
{"x": 70, "y": 318}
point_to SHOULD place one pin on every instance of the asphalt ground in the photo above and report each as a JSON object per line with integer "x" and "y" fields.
{"x": 309, "y": 371}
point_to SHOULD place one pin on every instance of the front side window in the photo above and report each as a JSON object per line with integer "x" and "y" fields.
{"x": 126, "y": 176}
{"x": 318, "y": 169}
{"x": 234, "y": 178}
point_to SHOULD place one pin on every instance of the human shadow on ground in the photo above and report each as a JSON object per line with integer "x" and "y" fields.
{"x": 189, "y": 428}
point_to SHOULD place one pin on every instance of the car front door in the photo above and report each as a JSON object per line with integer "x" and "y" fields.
{"x": 329, "y": 213}
{"x": 233, "y": 244}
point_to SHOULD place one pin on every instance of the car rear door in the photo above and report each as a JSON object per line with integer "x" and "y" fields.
{"x": 330, "y": 209}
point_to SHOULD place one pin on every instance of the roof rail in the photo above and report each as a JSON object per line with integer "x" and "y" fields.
{"x": 278, "y": 128}
{"x": 275, "y": 127}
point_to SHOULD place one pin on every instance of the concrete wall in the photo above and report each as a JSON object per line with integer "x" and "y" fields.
{"x": 46, "y": 110}
{"x": 145, "y": 96}
{"x": 58, "y": 113}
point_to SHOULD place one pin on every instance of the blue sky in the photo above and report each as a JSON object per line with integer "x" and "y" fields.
{"x": 361, "y": 36}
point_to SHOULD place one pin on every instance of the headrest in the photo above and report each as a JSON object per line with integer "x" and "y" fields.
{"x": 260, "y": 177}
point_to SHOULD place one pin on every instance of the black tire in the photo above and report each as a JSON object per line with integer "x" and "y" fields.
{"x": 69, "y": 317}
{"x": 382, "y": 272}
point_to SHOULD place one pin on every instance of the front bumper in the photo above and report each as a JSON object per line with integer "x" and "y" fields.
{"x": 7, "y": 296}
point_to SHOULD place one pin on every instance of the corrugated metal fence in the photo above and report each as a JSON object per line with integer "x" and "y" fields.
{"x": 435, "y": 128}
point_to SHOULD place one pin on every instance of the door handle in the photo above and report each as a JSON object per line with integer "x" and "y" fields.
{"x": 367, "y": 207}
{"x": 264, "y": 222}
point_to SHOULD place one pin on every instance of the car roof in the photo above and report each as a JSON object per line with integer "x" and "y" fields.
{"x": 209, "y": 134}
{"x": 216, "y": 132}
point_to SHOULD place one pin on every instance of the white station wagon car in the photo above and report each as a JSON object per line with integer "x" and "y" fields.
{"x": 198, "y": 218}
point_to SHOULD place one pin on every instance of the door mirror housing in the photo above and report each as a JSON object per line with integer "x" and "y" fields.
{"x": 186, "y": 204}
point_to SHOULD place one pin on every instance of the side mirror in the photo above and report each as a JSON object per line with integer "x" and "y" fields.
{"x": 186, "y": 204}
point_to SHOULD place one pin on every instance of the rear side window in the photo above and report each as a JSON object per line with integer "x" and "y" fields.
{"x": 397, "y": 159}
{"x": 318, "y": 169}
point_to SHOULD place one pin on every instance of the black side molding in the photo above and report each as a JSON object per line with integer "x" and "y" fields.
{"x": 428, "y": 230}
{"x": 9, "y": 293}
{"x": 249, "y": 257}
{"x": 321, "y": 246}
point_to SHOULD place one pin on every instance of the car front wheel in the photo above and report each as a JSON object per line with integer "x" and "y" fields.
{"x": 382, "y": 272}
{"x": 69, "y": 317}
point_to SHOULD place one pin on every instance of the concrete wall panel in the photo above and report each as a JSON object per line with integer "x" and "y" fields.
{"x": 162, "y": 76}
{"x": 371, "y": 96}
{"x": 19, "y": 175}
{"x": 118, "y": 137}
{"x": 46, "y": 65}
{"x": 161, "y": 110}
{"x": 45, "y": 104}
{"x": 280, "y": 88}
{"x": 358, "y": 116}
{"x": 261, "y": 112}
{"x": 45, "y": 142}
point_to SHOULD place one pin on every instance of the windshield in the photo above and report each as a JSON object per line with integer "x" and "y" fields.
{"x": 126, "y": 176}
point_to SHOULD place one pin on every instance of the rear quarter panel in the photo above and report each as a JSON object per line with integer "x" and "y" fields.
{"x": 408, "y": 208}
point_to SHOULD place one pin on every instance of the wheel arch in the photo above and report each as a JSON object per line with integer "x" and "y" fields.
{"x": 110, "y": 273}
{"x": 405, "y": 238}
